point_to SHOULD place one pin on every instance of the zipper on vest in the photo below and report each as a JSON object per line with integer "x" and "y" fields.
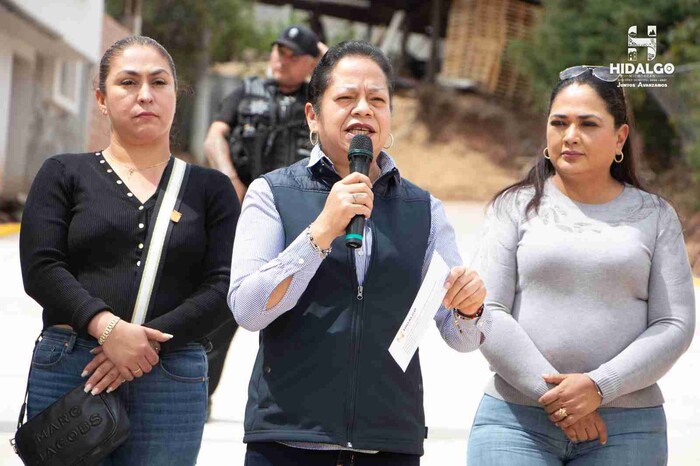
{"x": 354, "y": 349}
{"x": 357, "y": 331}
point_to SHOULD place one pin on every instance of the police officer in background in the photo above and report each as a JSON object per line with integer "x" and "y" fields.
{"x": 261, "y": 126}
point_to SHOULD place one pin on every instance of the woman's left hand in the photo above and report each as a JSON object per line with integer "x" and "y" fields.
{"x": 465, "y": 291}
{"x": 574, "y": 397}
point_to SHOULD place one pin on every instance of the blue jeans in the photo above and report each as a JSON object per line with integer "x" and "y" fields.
{"x": 276, "y": 454}
{"x": 167, "y": 407}
{"x": 507, "y": 434}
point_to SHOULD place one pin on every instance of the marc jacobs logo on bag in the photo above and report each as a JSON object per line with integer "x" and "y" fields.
{"x": 70, "y": 422}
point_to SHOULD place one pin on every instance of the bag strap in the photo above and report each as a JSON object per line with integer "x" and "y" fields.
{"x": 23, "y": 409}
{"x": 156, "y": 251}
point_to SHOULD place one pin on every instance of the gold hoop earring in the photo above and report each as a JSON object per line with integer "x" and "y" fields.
{"x": 622, "y": 157}
{"x": 391, "y": 143}
{"x": 545, "y": 152}
{"x": 311, "y": 138}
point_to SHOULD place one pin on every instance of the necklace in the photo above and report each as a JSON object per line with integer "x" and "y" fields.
{"x": 131, "y": 170}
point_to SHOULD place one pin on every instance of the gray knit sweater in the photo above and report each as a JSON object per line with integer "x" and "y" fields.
{"x": 603, "y": 289}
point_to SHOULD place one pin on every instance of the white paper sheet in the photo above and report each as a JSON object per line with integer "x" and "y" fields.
{"x": 423, "y": 310}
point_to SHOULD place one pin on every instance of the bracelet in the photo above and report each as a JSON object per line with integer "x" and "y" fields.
{"x": 460, "y": 316}
{"x": 321, "y": 252}
{"x": 108, "y": 329}
{"x": 597, "y": 389}
{"x": 464, "y": 316}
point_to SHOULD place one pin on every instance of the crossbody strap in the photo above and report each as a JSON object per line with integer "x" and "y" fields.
{"x": 23, "y": 409}
{"x": 155, "y": 252}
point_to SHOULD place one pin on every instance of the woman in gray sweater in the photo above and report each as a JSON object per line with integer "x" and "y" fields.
{"x": 591, "y": 296}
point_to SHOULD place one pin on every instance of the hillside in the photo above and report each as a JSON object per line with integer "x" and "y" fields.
{"x": 448, "y": 168}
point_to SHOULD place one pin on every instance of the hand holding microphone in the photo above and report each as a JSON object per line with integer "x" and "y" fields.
{"x": 350, "y": 198}
{"x": 360, "y": 157}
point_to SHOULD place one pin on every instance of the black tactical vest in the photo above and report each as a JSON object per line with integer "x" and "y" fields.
{"x": 271, "y": 132}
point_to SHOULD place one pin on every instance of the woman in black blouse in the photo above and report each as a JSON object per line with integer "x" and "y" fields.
{"x": 84, "y": 239}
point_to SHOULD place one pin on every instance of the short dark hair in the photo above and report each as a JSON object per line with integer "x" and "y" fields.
{"x": 616, "y": 105}
{"x": 321, "y": 75}
{"x": 122, "y": 44}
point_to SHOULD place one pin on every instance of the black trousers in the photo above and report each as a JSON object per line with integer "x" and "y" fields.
{"x": 220, "y": 340}
{"x": 276, "y": 454}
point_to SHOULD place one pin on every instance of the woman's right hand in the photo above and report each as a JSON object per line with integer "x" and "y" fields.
{"x": 349, "y": 197}
{"x": 127, "y": 346}
{"x": 104, "y": 375}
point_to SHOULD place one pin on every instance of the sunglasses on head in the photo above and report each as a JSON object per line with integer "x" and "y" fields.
{"x": 601, "y": 72}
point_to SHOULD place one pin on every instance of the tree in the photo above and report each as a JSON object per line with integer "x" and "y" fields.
{"x": 181, "y": 25}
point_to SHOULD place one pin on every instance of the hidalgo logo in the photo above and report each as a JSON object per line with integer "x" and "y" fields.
{"x": 643, "y": 74}
{"x": 633, "y": 42}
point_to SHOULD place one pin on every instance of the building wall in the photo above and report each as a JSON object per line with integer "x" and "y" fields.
{"x": 44, "y": 84}
{"x": 21, "y": 111}
{"x": 76, "y": 23}
{"x": 53, "y": 130}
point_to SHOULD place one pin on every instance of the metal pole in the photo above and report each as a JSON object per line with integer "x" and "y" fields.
{"x": 434, "y": 40}
{"x": 137, "y": 17}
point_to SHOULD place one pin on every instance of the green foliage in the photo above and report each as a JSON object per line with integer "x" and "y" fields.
{"x": 688, "y": 119}
{"x": 181, "y": 26}
{"x": 572, "y": 32}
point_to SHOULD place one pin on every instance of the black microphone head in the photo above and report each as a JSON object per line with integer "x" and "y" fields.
{"x": 360, "y": 145}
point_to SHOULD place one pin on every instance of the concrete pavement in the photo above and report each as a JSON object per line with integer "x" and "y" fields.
{"x": 453, "y": 382}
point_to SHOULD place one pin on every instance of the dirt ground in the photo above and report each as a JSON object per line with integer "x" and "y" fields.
{"x": 449, "y": 169}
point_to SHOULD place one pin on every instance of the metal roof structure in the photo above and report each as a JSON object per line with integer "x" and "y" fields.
{"x": 374, "y": 12}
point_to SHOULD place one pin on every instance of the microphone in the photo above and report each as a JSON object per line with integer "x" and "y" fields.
{"x": 360, "y": 156}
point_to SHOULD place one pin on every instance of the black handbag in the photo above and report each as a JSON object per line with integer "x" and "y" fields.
{"x": 77, "y": 429}
{"x": 80, "y": 429}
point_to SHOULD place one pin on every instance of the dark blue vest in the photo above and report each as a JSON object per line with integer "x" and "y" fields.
{"x": 323, "y": 371}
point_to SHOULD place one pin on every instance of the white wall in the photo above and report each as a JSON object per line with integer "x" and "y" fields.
{"x": 20, "y": 124}
{"x": 77, "y": 23}
{"x": 5, "y": 90}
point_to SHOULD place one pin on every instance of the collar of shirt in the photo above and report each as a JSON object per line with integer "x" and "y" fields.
{"x": 384, "y": 161}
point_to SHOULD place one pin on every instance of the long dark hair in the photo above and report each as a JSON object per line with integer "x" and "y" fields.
{"x": 321, "y": 75}
{"x": 624, "y": 172}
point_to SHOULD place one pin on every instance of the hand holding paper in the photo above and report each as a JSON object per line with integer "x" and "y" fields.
{"x": 459, "y": 287}
{"x": 465, "y": 290}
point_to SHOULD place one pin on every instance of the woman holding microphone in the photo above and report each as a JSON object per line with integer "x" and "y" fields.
{"x": 324, "y": 389}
